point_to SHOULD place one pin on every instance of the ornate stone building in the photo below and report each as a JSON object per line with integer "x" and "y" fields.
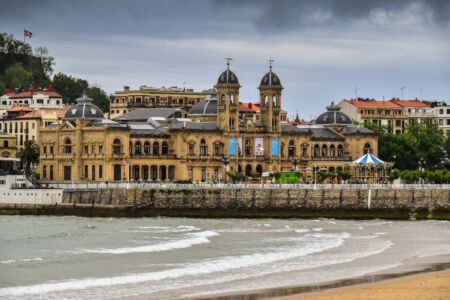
{"x": 152, "y": 144}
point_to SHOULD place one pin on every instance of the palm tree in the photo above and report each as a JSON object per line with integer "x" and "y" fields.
{"x": 29, "y": 155}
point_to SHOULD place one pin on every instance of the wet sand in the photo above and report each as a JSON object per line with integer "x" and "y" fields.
{"x": 434, "y": 285}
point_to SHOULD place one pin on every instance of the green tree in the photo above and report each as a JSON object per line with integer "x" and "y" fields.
{"x": 46, "y": 60}
{"x": 70, "y": 88}
{"x": 99, "y": 97}
{"x": 29, "y": 155}
{"x": 16, "y": 76}
{"x": 235, "y": 177}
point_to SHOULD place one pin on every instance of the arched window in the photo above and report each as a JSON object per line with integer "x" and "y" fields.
{"x": 222, "y": 101}
{"x": 266, "y": 100}
{"x": 165, "y": 148}
{"x": 340, "y": 151}
{"x": 291, "y": 149}
{"x": 259, "y": 169}
{"x": 231, "y": 99}
{"x": 332, "y": 151}
{"x": 203, "y": 147}
{"x": 117, "y": 147}
{"x": 324, "y": 150}
{"x": 367, "y": 148}
{"x": 316, "y": 150}
{"x": 68, "y": 146}
{"x": 274, "y": 101}
{"x": 155, "y": 148}
{"x": 137, "y": 148}
{"x": 147, "y": 148}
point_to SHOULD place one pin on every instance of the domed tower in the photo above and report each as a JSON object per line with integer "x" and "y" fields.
{"x": 270, "y": 101}
{"x": 228, "y": 100}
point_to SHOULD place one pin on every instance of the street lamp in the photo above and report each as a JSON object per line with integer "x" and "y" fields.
{"x": 295, "y": 161}
{"x": 225, "y": 161}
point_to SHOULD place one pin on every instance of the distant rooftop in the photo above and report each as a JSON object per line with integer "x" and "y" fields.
{"x": 163, "y": 89}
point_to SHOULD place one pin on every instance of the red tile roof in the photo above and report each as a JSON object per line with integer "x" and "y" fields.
{"x": 410, "y": 103}
{"x": 60, "y": 112}
{"x": 20, "y": 108}
{"x": 29, "y": 94}
{"x": 249, "y": 107}
{"x": 373, "y": 104}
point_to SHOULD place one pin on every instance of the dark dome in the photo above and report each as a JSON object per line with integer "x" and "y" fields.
{"x": 333, "y": 116}
{"x": 84, "y": 109}
{"x": 227, "y": 76}
{"x": 205, "y": 107}
{"x": 270, "y": 79}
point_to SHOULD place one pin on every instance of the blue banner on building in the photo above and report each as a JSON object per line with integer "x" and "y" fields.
{"x": 232, "y": 146}
{"x": 275, "y": 144}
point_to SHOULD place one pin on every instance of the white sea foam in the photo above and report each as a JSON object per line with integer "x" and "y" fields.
{"x": 301, "y": 230}
{"x": 192, "y": 239}
{"x": 317, "y": 229}
{"x": 12, "y": 261}
{"x": 321, "y": 243}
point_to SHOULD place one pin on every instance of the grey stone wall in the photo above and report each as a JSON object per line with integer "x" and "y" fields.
{"x": 254, "y": 199}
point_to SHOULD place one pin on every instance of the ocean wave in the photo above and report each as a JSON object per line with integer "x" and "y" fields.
{"x": 322, "y": 243}
{"x": 193, "y": 239}
{"x": 165, "y": 229}
{"x": 12, "y": 261}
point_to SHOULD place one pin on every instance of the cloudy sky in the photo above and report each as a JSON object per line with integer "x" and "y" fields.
{"x": 322, "y": 49}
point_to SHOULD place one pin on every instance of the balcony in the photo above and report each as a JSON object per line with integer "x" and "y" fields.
{"x": 329, "y": 158}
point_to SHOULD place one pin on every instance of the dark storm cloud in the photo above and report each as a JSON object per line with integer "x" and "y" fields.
{"x": 276, "y": 16}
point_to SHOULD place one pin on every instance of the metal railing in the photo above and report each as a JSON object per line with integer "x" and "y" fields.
{"x": 294, "y": 186}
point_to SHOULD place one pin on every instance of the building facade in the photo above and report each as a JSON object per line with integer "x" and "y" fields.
{"x": 24, "y": 122}
{"x": 34, "y": 98}
{"x": 218, "y": 136}
{"x": 129, "y": 100}
{"x": 442, "y": 117}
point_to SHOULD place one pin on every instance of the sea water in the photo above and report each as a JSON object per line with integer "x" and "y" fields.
{"x": 43, "y": 257}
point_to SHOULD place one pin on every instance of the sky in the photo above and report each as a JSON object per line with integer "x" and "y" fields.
{"x": 322, "y": 50}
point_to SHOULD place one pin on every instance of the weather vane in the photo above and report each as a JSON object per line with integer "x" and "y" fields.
{"x": 270, "y": 62}
{"x": 228, "y": 59}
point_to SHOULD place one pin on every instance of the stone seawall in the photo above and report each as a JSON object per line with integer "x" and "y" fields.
{"x": 251, "y": 202}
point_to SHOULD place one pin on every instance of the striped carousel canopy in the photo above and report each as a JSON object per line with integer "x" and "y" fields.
{"x": 368, "y": 159}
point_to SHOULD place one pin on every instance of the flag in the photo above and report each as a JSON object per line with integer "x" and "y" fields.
{"x": 27, "y": 33}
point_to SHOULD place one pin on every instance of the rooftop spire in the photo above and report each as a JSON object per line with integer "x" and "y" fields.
{"x": 228, "y": 59}
{"x": 270, "y": 62}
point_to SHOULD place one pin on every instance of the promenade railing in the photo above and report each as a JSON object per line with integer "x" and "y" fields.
{"x": 227, "y": 186}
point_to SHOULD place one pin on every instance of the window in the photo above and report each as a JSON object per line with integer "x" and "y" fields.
{"x": 248, "y": 148}
{"x": 68, "y": 146}
{"x": 203, "y": 147}
{"x": 117, "y": 146}
{"x": 191, "y": 149}
{"x": 86, "y": 171}
{"x": 332, "y": 151}
{"x": 367, "y": 148}
{"x": 137, "y": 148}
{"x": 304, "y": 152}
{"x": 93, "y": 172}
{"x": 44, "y": 150}
{"x": 316, "y": 150}
{"x": 398, "y": 123}
{"x": 291, "y": 149}
{"x": 216, "y": 150}
{"x": 147, "y": 148}
{"x": 51, "y": 172}
{"x": 51, "y": 149}
{"x": 93, "y": 149}
{"x": 340, "y": 151}
{"x": 165, "y": 148}
{"x": 67, "y": 172}
{"x": 155, "y": 148}
{"x": 448, "y": 111}
{"x": 203, "y": 174}
{"x": 324, "y": 150}
{"x": 441, "y": 122}
{"x": 86, "y": 149}
{"x": 100, "y": 149}
{"x": 448, "y": 121}
{"x": 44, "y": 171}
{"x": 100, "y": 171}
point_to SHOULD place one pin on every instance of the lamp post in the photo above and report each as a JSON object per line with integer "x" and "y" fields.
{"x": 315, "y": 176}
{"x": 225, "y": 161}
{"x": 295, "y": 161}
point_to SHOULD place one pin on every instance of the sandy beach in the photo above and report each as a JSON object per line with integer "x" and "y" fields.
{"x": 435, "y": 285}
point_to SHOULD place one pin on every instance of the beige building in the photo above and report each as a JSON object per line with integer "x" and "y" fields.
{"x": 24, "y": 122}
{"x": 154, "y": 144}
{"x": 442, "y": 117}
{"x": 129, "y": 100}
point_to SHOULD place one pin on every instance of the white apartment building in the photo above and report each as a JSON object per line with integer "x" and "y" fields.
{"x": 442, "y": 117}
{"x": 33, "y": 98}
